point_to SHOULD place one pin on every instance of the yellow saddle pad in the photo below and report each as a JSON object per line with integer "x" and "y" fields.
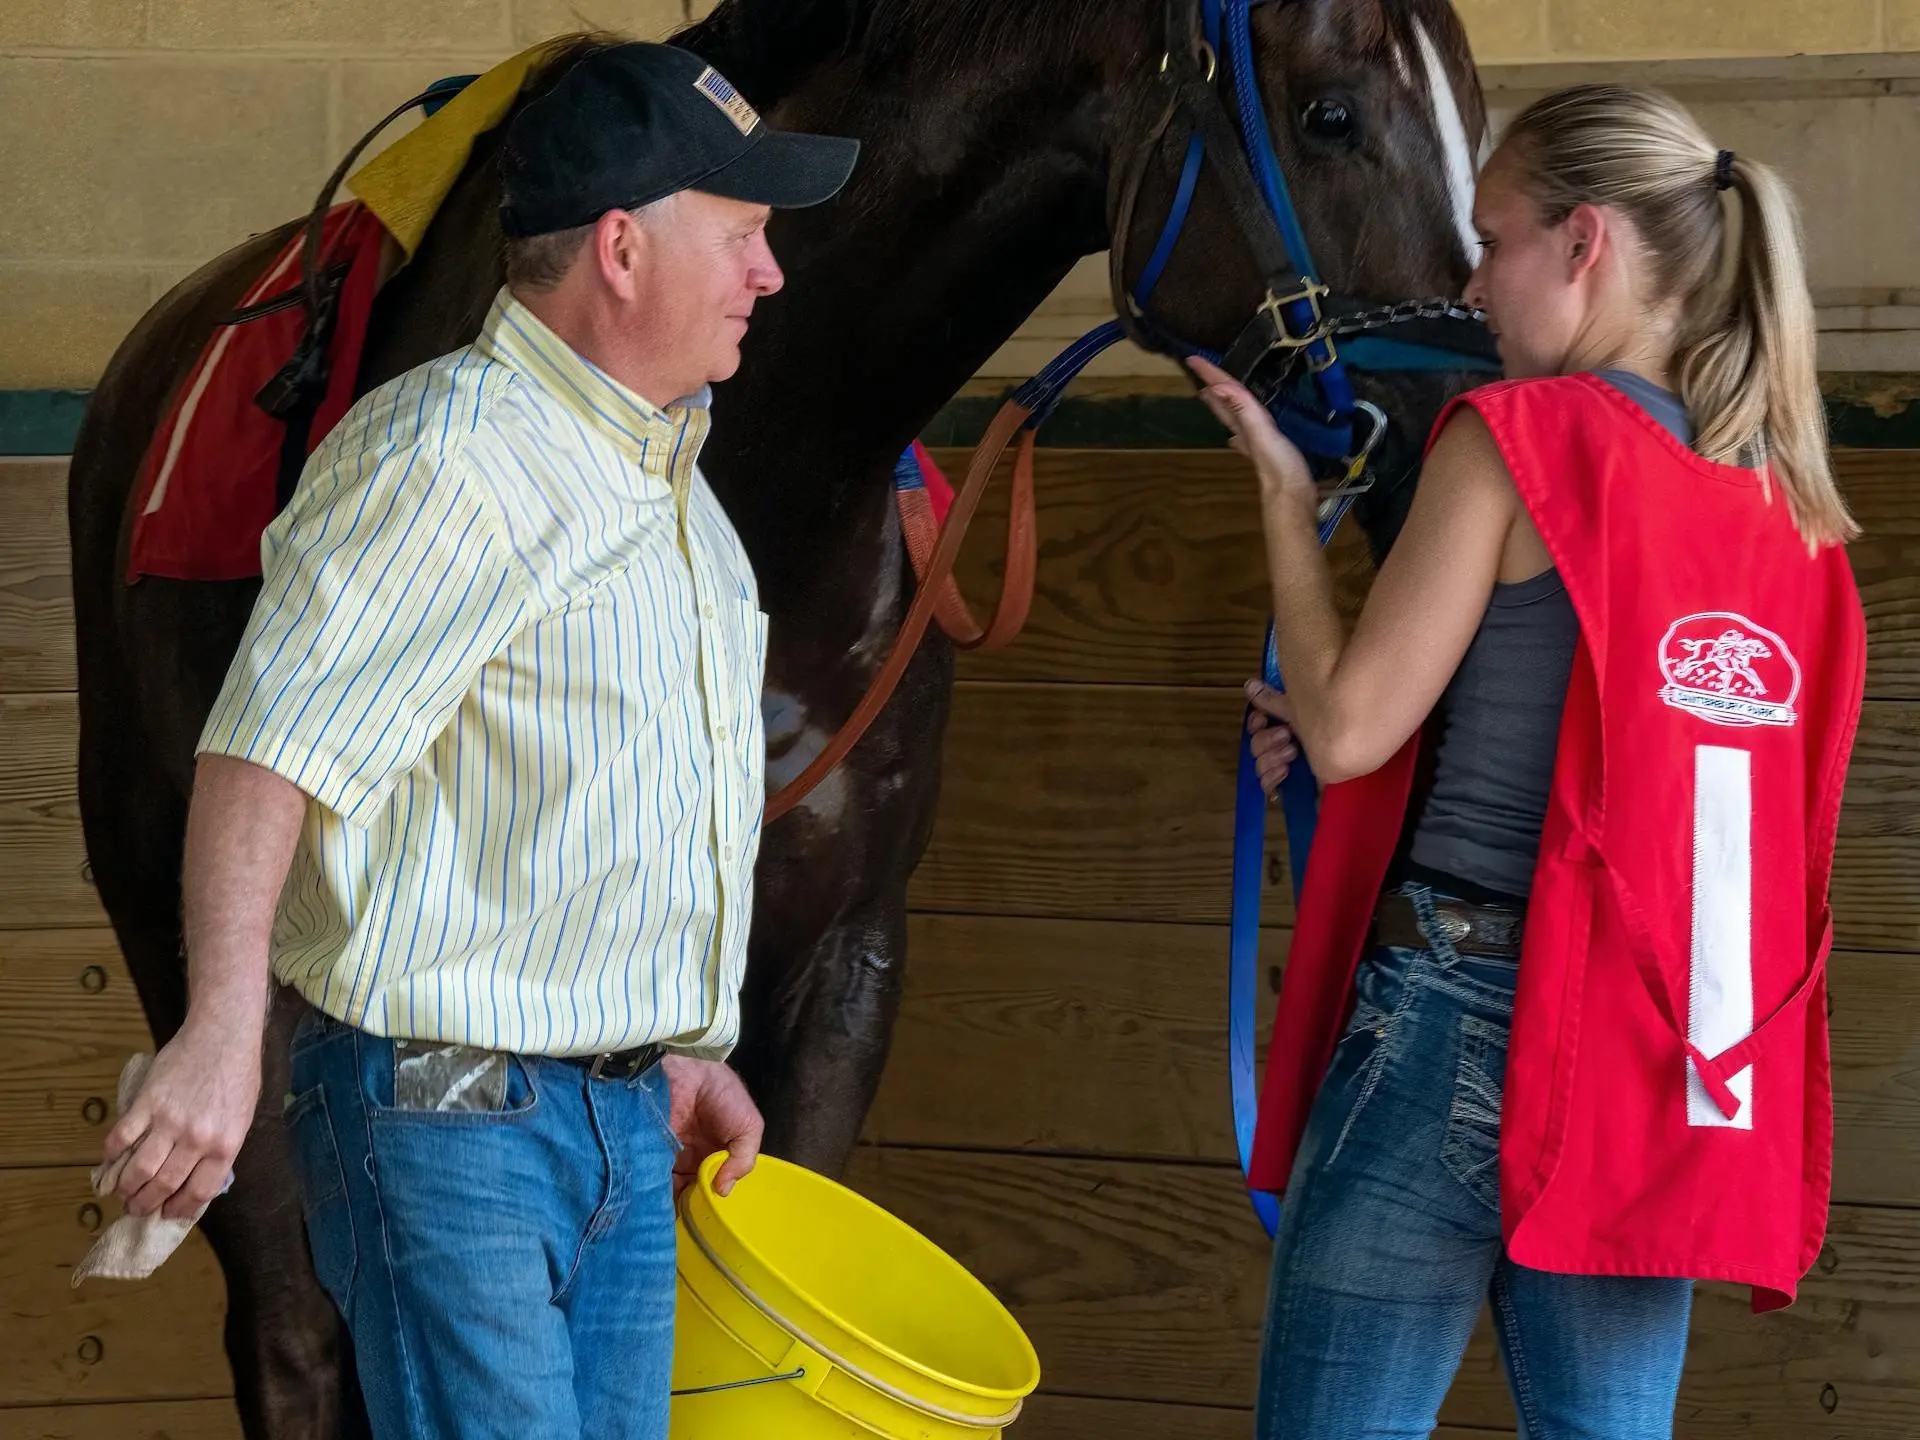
{"x": 405, "y": 183}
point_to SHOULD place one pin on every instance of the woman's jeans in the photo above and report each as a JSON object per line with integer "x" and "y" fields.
{"x": 1390, "y": 1237}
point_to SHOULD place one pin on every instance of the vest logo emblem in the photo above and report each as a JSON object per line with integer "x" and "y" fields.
{"x": 1729, "y": 671}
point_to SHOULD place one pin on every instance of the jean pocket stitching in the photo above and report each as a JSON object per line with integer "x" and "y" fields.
{"x": 662, "y": 1117}
{"x": 323, "y": 1192}
{"x": 1366, "y": 1017}
{"x": 314, "y": 1029}
{"x": 1471, "y": 1148}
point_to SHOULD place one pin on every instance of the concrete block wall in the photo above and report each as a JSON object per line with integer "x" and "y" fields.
{"x": 145, "y": 136}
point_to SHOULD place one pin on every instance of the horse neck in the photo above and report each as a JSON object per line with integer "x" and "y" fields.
{"x": 977, "y": 190}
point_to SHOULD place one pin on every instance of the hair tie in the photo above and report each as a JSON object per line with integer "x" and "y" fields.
{"x": 1723, "y": 171}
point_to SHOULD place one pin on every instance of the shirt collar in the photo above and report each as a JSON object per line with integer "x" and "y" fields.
{"x": 518, "y": 338}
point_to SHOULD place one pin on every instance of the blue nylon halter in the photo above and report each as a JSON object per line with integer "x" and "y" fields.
{"x": 1322, "y": 425}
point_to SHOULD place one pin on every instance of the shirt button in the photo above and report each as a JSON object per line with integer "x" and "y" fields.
{"x": 707, "y": 611}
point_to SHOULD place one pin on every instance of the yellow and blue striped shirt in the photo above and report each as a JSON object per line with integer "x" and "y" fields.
{"x": 511, "y": 646}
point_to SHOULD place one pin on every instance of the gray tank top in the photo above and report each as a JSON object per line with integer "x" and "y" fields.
{"x": 1479, "y": 835}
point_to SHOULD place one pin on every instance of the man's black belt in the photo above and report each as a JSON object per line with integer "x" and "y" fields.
{"x": 619, "y": 1064}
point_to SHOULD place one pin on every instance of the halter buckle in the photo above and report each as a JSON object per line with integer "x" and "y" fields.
{"x": 1201, "y": 51}
{"x": 1310, "y": 293}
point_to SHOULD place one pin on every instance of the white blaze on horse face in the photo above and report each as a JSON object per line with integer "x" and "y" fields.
{"x": 1454, "y": 146}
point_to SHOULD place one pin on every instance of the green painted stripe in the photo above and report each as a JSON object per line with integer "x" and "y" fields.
{"x": 1868, "y": 412}
{"x": 40, "y": 422}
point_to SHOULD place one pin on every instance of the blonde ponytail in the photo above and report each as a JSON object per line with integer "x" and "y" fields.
{"x": 1744, "y": 354}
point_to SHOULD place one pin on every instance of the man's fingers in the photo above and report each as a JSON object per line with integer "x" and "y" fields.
{"x": 199, "y": 1190}
{"x": 127, "y": 1132}
{"x": 742, "y": 1150}
{"x": 144, "y": 1196}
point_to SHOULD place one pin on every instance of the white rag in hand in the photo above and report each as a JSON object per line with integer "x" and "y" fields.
{"x": 133, "y": 1247}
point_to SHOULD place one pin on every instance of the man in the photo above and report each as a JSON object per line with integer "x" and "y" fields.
{"x": 485, "y": 782}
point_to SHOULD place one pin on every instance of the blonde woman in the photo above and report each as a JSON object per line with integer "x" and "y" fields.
{"x": 1556, "y": 1041}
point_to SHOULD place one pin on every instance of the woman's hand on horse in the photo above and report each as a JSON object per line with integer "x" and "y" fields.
{"x": 1270, "y": 722}
{"x": 183, "y": 1129}
{"x": 709, "y": 1109}
{"x": 1282, "y": 469}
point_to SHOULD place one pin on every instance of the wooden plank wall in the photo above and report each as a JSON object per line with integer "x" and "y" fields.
{"x": 1055, "y": 1111}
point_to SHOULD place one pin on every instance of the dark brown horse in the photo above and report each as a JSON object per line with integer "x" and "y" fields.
{"x": 995, "y": 132}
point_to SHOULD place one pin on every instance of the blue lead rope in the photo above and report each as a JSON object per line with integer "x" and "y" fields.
{"x": 1300, "y": 811}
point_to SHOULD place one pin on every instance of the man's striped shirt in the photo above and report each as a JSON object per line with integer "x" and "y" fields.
{"x": 511, "y": 646}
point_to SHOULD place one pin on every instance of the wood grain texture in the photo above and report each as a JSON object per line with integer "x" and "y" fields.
{"x": 1060, "y": 1035}
{"x": 43, "y": 874}
{"x": 211, "y": 1419}
{"x": 1146, "y": 1282}
{"x": 1118, "y": 804}
{"x": 68, "y": 1020}
{"x": 36, "y": 593}
{"x": 1073, "y": 1417}
{"x": 1883, "y": 487}
{"x": 1103, "y": 1038}
{"x": 108, "y": 1340}
{"x": 1151, "y": 569}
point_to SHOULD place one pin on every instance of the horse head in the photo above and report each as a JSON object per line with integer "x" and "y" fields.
{"x": 1377, "y": 120}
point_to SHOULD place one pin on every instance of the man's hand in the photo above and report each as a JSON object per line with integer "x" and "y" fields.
{"x": 1274, "y": 748}
{"x": 183, "y": 1129}
{"x": 711, "y": 1110}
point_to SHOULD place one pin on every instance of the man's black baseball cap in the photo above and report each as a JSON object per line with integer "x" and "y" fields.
{"x": 630, "y": 124}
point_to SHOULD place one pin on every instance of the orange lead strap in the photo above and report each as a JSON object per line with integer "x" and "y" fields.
{"x": 937, "y": 591}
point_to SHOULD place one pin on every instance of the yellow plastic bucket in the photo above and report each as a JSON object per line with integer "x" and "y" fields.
{"x": 806, "y": 1312}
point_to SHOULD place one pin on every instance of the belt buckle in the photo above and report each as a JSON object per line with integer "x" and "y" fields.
{"x": 623, "y": 1064}
{"x": 1454, "y": 927}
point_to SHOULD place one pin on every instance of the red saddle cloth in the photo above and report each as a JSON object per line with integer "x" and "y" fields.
{"x": 208, "y": 483}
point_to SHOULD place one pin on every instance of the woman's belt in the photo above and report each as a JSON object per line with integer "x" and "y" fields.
{"x": 1489, "y": 931}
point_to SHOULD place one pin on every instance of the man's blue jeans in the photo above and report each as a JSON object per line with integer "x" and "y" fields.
{"x": 505, "y": 1272}
{"x": 1390, "y": 1242}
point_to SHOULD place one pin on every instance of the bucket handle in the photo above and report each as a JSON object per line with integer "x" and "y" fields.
{"x": 799, "y": 1374}
{"x": 956, "y": 1417}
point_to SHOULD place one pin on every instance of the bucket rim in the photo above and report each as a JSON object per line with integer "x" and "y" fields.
{"x": 704, "y": 1186}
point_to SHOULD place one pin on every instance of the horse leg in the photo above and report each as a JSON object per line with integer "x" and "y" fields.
{"x": 292, "y": 1361}
{"x": 827, "y": 1019}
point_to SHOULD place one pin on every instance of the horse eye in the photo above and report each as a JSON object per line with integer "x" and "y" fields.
{"x": 1328, "y": 119}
